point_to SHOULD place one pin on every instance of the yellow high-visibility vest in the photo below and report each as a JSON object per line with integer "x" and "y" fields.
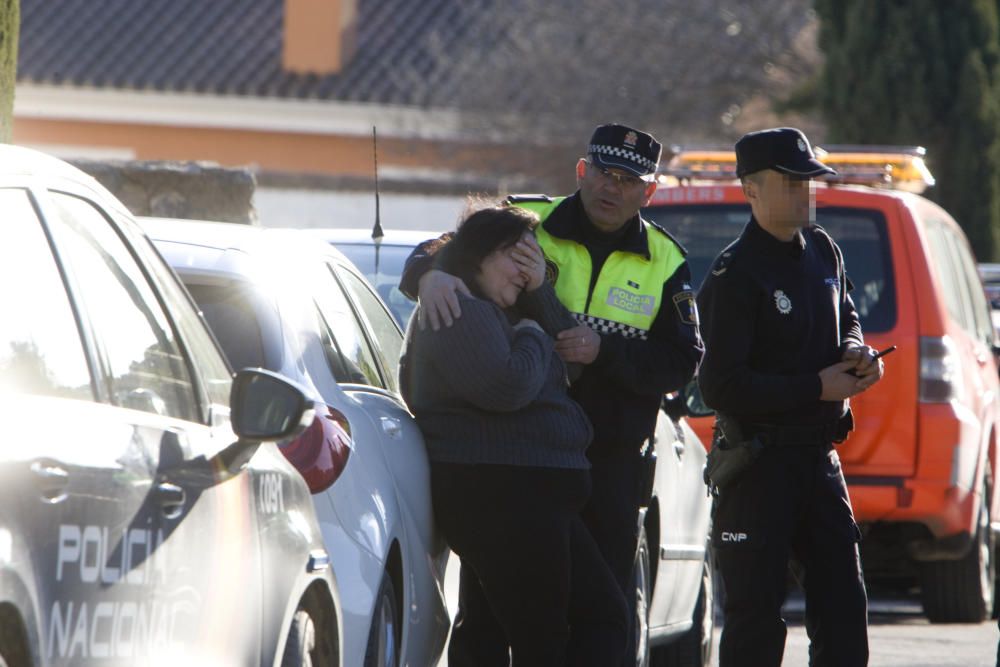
{"x": 629, "y": 288}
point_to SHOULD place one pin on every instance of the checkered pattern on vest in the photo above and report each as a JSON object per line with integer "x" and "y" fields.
{"x": 622, "y": 152}
{"x": 603, "y": 326}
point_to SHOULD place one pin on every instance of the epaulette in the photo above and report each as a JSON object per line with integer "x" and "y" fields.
{"x": 527, "y": 199}
{"x": 670, "y": 236}
{"x": 721, "y": 263}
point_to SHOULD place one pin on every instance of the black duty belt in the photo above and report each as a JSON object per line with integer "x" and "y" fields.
{"x": 792, "y": 435}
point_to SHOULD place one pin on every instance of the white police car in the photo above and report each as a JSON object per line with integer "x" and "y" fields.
{"x": 282, "y": 300}
{"x": 135, "y": 527}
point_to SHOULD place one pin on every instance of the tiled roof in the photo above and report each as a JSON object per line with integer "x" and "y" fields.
{"x": 233, "y": 47}
{"x": 539, "y": 68}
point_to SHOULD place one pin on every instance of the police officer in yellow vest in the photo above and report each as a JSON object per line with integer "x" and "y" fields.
{"x": 627, "y": 283}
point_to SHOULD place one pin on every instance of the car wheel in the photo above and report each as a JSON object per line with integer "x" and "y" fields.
{"x": 384, "y": 636}
{"x": 643, "y": 591}
{"x": 961, "y": 591}
{"x": 694, "y": 647}
{"x": 301, "y": 645}
{"x": 13, "y": 648}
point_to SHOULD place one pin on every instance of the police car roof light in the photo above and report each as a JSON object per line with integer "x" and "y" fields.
{"x": 896, "y": 167}
{"x": 696, "y": 163}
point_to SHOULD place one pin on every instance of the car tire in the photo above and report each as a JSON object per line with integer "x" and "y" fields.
{"x": 13, "y": 648}
{"x": 643, "y": 592}
{"x": 694, "y": 647}
{"x": 300, "y": 647}
{"x": 961, "y": 591}
{"x": 384, "y": 636}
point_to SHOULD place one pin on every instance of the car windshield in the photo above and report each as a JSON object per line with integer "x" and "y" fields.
{"x": 860, "y": 233}
{"x": 391, "y": 259}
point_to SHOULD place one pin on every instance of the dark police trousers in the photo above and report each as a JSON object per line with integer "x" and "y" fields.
{"x": 532, "y": 578}
{"x": 611, "y": 516}
{"x": 792, "y": 501}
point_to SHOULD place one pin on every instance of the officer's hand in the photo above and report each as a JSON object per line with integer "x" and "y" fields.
{"x": 437, "y": 296}
{"x": 838, "y": 383}
{"x": 528, "y": 256}
{"x": 866, "y": 367}
{"x": 578, "y": 345}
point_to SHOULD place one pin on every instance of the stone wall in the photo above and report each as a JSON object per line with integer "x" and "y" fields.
{"x": 190, "y": 190}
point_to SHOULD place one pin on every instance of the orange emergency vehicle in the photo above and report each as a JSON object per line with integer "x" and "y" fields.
{"x": 922, "y": 461}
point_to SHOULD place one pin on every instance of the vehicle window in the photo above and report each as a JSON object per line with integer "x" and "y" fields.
{"x": 387, "y": 336}
{"x": 861, "y": 234}
{"x": 146, "y": 368}
{"x": 357, "y": 358}
{"x": 974, "y": 296}
{"x": 386, "y": 277}
{"x": 703, "y": 230}
{"x": 208, "y": 359}
{"x": 40, "y": 347}
{"x": 949, "y": 274}
{"x": 230, "y": 313}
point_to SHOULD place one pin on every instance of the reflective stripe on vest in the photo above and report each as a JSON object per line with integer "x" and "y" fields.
{"x": 627, "y": 294}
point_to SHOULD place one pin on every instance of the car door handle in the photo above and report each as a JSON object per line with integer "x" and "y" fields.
{"x": 171, "y": 499}
{"x": 51, "y": 480}
{"x": 391, "y": 427}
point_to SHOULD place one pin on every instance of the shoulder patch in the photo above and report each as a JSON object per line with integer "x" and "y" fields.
{"x": 652, "y": 225}
{"x": 687, "y": 309}
{"x": 551, "y": 272}
{"x": 721, "y": 263}
{"x": 527, "y": 199}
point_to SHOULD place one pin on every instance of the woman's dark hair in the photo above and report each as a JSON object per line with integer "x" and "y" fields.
{"x": 478, "y": 236}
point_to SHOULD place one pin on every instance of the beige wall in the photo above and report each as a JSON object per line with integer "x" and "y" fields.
{"x": 324, "y": 154}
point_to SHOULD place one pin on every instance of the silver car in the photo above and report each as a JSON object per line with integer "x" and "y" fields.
{"x": 279, "y": 299}
{"x": 144, "y": 519}
{"x": 674, "y": 578}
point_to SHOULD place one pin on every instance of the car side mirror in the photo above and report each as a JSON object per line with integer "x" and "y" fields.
{"x": 266, "y": 406}
{"x": 694, "y": 404}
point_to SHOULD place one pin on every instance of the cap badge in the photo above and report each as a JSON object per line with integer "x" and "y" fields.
{"x": 801, "y": 144}
{"x": 630, "y": 138}
{"x": 782, "y": 302}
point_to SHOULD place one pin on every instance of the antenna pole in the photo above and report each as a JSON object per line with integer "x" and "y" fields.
{"x": 377, "y": 232}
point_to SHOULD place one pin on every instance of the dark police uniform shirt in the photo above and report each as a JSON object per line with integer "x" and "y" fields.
{"x": 773, "y": 314}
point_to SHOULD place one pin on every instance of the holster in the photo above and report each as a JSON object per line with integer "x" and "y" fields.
{"x": 730, "y": 455}
{"x": 844, "y": 426}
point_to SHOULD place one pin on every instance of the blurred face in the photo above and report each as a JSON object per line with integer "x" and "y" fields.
{"x": 610, "y": 197}
{"x": 780, "y": 201}
{"x": 500, "y": 279}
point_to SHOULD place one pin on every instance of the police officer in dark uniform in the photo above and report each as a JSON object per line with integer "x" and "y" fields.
{"x": 784, "y": 352}
{"x": 627, "y": 283}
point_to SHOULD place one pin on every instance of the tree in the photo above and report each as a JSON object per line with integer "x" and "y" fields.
{"x": 922, "y": 72}
{"x": 10, "y": 22}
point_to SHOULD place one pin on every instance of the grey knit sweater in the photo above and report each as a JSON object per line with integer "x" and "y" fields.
{"x": 485, "y": 392}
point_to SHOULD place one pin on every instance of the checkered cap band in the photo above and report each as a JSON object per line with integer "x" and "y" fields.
{"x": 603, "y": 326}
{"x": 617, "y": 151}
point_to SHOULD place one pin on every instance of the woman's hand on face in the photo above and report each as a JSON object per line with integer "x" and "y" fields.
{"x": 530, "y": 259}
